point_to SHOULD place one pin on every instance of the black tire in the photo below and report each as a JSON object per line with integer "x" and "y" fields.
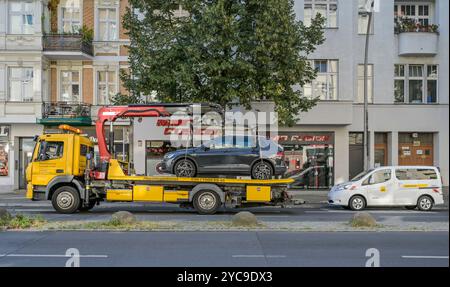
{"x": 425, "y": 203}
{"x": 88, "y": 207}
{"x": 66, "y": 199}
{"x": 262, "y": 170}
{"x": 206, "y": 202}
{"x": 185, "y": 168}
{"x": 411, "y": 207}
{"x": 357, "y": 203}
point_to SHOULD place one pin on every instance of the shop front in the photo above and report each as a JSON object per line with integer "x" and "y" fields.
{"x": 310, "y": 155}
{"x": 415, "y": 149}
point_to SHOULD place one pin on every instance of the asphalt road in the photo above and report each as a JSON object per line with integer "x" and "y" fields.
{"x": 227, "y": 249}
{"x": 315, "y": 210}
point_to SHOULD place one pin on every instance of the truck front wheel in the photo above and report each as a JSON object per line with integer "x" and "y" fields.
{"x": 66, "y": 199}
{"x": 206, "y": 202}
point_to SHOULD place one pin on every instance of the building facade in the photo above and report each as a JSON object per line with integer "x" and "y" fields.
{"x": 407, "y": 87}
{"x": 60, "y": 61}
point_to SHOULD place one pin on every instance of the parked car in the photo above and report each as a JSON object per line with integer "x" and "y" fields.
{"x": 228, "y": 155}
{"x": 409, "y": 186}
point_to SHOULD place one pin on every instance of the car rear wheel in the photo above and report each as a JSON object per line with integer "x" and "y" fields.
{"x": 66, "y": 199}
{"x": 357, "y": 203}
{"x": 262, "y": 170}
{"x": 425, "y": 203}
{"x": 206, "y": 202}
{"x": 185, "y": 168}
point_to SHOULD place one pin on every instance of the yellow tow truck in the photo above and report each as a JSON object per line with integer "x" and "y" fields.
{"x": 62, "y": 171}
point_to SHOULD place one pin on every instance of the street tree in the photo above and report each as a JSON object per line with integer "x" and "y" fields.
{"x": 221, "y": 51}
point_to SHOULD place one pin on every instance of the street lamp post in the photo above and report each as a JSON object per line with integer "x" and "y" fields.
{"x": 366, "y": 142}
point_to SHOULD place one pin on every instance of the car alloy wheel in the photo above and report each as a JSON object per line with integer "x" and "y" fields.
{"x": 357, "y": 203}
{"x": 425, "y": 203}
{"x": 185, "y": 168}
{"x": 262, "y": 171}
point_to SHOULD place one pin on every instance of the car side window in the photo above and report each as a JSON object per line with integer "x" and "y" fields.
{"x": 379, "y": 176}
{"x": 415, "y": 174}
{"x": 221, "y": 143}
{"x": 244, "y": 142}
{"x": 50, "y": 150}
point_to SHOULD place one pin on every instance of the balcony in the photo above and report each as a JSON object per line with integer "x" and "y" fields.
{"x": 56, "y": 113}
{"x": 415, "y": 39}
{"x": 413, "y": 44}
{"x": 67, "y": 47}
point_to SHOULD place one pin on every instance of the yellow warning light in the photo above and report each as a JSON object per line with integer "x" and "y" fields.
{"x": 70, "y": 129}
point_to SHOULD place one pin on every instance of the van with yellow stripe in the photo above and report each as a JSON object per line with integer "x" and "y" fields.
{"x": 409, "y": 186}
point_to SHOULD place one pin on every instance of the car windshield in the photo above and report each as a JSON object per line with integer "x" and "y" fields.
{"x": 361, "y": 175}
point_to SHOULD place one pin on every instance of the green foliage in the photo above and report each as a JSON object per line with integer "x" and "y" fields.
{"x": 21, "y": 221}
{"x": 222, "y": 51}
{"x": 87, "y": 34}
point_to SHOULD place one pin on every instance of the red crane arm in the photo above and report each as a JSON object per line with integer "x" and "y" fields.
{"x": 113, "y": 113}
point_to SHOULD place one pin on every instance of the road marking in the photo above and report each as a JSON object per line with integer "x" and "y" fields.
{"x": 53, "y": 255}
{"x": 258, "y": 256}
{"x": 424, "y": 257}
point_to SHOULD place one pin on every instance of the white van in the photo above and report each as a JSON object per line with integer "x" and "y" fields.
{"x": 408, "y": 186}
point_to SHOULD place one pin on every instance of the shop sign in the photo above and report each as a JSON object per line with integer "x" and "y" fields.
{"x": 419, "y": 152}
{"x": 4, "y": 131}
{"x": 304, "y": 138}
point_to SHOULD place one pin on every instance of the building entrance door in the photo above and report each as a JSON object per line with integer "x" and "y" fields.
{"x": 26, "y": 147}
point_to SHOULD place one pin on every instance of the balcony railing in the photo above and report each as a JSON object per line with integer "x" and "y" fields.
{"x": 67, "y": 42}
{"x": 75, "y": 113}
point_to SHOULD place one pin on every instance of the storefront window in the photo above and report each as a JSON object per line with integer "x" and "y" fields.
{"x": 4, "y": 150}
{"x": 154, "y": 152}
{"x": 311, "y": 154}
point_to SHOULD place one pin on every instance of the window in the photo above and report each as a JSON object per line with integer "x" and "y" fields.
{"x": 244, "y": 142}
{"x": 107, "y": 24}
{"x": 379, "y": 176}
{"x": 363, "y": 18}
{"x": 21, "y": 84}
{"x": 21, "y": 17}
{"x": 360, "y": 96}
{"x": 70, "y": 86}
{"x": 220, "y": 143}
{"x": 415, "y": 174}
{"x": 325, "y": 85}
{"x": 50, "y": 150}
{"x": 420, "y": 13}
{"x": 4, "y": 150}
{"x": 85, "y": 150}
{"x": 416, "y": 84}
{"x": 327, "y": 8}
{"x": 106, "y": 87}
{"x": 70, "y": 16}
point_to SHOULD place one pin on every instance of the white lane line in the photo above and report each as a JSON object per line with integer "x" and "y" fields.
{"x": 53, "y": 255}
{"x": 258, "y": 256}
{"x": 423, "y": 257}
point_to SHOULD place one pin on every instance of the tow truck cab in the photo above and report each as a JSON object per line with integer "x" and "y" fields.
{"x": 58, "y": 159}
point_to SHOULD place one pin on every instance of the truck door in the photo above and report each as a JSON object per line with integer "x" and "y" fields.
{"x": 50, "y": 161}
